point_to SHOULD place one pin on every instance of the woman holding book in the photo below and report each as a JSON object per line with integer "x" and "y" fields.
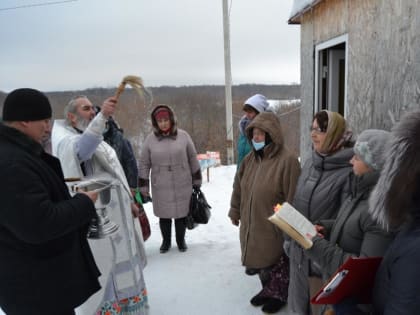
{"x": 319, "y": 194}
{"x": 354, "y": 233}
{"x": 395, "y": 203}
{"x": 267, "y": 176}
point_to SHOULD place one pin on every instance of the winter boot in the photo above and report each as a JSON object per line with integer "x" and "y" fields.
{"x": 165, "y": 228}
{"x": 258, "y": 300}
{"x": 273, "y": 306}
{"x": 180, "y": 227}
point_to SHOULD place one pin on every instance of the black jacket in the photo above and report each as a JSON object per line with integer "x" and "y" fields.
{"x": 46, "y": 263}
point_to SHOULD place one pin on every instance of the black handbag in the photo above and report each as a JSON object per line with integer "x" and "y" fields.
{"x": 199, "y": 209}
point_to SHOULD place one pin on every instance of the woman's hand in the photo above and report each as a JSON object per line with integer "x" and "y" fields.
{"x": 320, "y": 230}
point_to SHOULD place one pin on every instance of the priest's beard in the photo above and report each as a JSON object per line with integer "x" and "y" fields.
{"x": 82, "y": 123}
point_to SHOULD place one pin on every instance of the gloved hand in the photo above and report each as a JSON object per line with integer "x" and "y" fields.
{"x": 235, "y": 221}
{"x": 145, "y": 197}
{"x": 196, "y": 187}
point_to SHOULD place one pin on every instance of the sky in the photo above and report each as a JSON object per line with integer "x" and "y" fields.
{"x": 208, "y": 278}
{"x": 54, "y": 45}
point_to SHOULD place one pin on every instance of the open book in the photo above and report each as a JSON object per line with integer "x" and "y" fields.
{"x": 294, "y": 224}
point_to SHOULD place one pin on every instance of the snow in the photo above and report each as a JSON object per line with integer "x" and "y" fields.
{"x": 208, "y": 278}
{"x": 300, "y": 5}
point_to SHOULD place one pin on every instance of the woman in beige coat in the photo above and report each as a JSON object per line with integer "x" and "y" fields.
{"x": 267, "y": 176}
{"x": 169, "y": 157}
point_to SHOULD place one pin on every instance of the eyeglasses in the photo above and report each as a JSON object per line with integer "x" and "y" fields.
{"x": 316, "y": 129}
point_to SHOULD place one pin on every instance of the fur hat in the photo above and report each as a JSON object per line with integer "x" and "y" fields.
{"x": 26, "y": 105}
{"x": 258, "y": 102}
{"x": 397, "y": 190}
{"x": 370, "y": 147}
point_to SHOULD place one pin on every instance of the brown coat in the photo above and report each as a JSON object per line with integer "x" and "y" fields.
{"x": 172, "y": 164}
{"x": 262, "y": 181}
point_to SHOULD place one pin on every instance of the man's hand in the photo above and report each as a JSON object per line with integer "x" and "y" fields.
{"x": 93, "y": 195}
{"x": 108, "y": 106}
{"x": 235, "y": 221}
{"x": 135, "y": 210}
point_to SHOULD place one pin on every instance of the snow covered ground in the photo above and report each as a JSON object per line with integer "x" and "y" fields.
{"x": 208, "y": 279}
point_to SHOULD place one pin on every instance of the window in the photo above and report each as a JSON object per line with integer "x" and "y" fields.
{"x": 331, "y": 75}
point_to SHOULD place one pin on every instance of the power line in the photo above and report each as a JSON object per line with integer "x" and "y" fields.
{"x": 36, "y": 5}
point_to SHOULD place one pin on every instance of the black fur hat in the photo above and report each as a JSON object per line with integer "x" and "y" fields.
{"x": 26, "y": 105}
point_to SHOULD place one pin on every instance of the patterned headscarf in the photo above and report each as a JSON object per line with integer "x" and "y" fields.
{"x": 336, "y": 135}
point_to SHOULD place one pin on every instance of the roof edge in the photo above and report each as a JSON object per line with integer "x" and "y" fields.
{"x": 296, "y": 18}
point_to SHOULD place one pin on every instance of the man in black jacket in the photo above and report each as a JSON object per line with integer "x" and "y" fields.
{"x": 46, "y": 264}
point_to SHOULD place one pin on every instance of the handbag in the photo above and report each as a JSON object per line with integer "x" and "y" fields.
{"x": 144, "y": 220}
{"x": 199, "y": 209}
{"x": 145, "y": 225}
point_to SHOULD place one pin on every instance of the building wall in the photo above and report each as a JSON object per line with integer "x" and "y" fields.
{"x": 383, "y": 62}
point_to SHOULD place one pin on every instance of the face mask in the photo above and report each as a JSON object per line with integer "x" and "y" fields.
{"x": 258, "y": 145}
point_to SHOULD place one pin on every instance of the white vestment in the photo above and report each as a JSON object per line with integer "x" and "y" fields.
{"x": 120, "y": 257}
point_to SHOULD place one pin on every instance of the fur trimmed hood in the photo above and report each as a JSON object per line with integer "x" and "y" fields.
{"x": 174, "y": 129}
{"x": 394, "y": 199}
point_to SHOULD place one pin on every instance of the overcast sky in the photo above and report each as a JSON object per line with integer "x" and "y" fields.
{"x": 81, "y": 44}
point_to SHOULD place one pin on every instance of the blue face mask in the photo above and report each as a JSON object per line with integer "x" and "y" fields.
{"x": 258, "y": 145}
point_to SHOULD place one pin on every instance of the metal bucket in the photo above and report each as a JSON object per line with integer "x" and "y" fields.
{"x": 100, "y": 226}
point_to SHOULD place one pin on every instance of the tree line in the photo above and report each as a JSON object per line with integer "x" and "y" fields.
{"x": 200, "y": 110}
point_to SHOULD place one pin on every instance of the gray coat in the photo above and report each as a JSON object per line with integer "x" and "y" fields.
{"x": 319, "y": 194}
{"x": 172, "y": 164}
{"x": 354, "y": 233}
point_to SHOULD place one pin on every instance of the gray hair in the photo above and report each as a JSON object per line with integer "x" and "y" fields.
{"x": 71, "y": 106}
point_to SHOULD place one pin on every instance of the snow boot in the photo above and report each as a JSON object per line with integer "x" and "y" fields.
{"x": 165, "y": 228}
{"x": 180, "y": 228}
{"x": 273, "y": 306}
{"x": 258, "y": 300}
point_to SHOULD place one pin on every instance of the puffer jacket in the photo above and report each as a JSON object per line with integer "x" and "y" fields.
{"x": 354, "y": 232}
{"x": 319, "y": 194}
{"x": 262, "y": 181}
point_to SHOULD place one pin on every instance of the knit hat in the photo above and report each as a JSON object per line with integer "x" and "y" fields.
{"x": 26, "y": 105}
{"x": 258, "y": 102}
{"x": 370, "y": 147}
{"x": 161, "y": 113}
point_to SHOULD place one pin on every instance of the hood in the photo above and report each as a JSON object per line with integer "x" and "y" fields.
{"x": 258, "y": 102}
{"x": 269, "y": 123}
{"x": 172, "y": 118}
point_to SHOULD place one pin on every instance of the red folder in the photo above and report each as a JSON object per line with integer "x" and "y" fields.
{"x": 354, "y": 278}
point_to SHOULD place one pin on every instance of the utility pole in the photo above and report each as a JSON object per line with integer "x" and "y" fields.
{"x": 228, "y": 85}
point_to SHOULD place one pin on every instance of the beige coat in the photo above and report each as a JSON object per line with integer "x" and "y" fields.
{"x": 262, "y": 181}
{"x": 171, "y": 162}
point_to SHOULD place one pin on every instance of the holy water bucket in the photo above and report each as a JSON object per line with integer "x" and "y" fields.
{"x": 100, "y": 226}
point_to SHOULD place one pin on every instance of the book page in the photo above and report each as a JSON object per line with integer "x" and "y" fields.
{"x": 294, "y": 224}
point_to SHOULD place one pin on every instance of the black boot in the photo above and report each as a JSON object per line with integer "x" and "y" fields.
{"x": 180, "y": 227}
{"x": 273, "y": 306}
{"x": 258, "y": 300}
{"x": 165, "y": 229}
